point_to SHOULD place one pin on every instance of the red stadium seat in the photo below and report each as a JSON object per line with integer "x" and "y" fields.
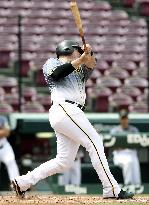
{"x": 138, "y": 82}
{"x": 33, "y": 107}
{"x": 5, "y": 108}
{"x": 110, "y": 82}
{"x": 44, "y": 100}
{"x": 117, "y": 73}
{"x": 119, "y": 101}
{"x": 128, "y": 3}
{"x": 95, "y": 75}
{"x": 144, "y": 7}
{"x": 139, "y": 107}
{"x": 4, "y": 58}
{"x": 13, "y": 100}
{"x": 8, "y": 83}
{"x": 101, "y": 99}
{"x": 102, "y": 66}
{"x": 131, "y": 91}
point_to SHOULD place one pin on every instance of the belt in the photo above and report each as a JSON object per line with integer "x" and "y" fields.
{"x": 1, "y": 146}
{"x": 78, "y": 105}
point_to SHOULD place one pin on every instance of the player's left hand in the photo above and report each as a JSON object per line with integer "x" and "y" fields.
{"x": 90, "y": 60}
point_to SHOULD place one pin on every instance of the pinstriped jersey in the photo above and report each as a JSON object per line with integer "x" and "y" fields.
{"x": 71, "y": 87}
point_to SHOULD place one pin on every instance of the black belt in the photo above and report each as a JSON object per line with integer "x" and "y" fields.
{"x": 78, "y": 105}
{"x": 1, "y": 146}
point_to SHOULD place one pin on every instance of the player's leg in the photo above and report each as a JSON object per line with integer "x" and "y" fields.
{"x": 78, "y": 128}
{"x": 123, "y": 159}
{"x": 66, "y": 153}
{"x": 8, "y": 158}
{"x": 76, "y": 173}
{"x": 136, "y": 169}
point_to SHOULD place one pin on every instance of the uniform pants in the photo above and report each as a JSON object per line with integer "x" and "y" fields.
{"x": 128, "y": 160}
{"x": 72, "y": 128}
{"x": 8, "y": 158}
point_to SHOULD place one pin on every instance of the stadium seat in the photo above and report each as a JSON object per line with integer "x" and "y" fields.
{"x": 4, "y": 58}
{"x": 33, "y": 107}
{"x": 44, "y": 100}
{"x": 117, "y": 73}
{"x": 101, "y": 100}
{"x": 110, "y": 82}
{"x": 119, "y": 101}
{"x": 139, "y": 107}
{"x": 143, "y": 7}
{"x": 95, "y": 75}
{"x": 128, "y": 3}
{"x": 5, "y": 108}
{"x": 39, "y": 78}
{"x": 138, "y": 82}
{"x": 8, "y": 83}
{"x": 13, "y": 100}
{"x": 131, "y": 91}
{"x": 141, "y": 72}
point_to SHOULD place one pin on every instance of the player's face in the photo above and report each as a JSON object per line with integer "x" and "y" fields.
{"x": 124, "y": 122}
{"x": 70, "y": 57}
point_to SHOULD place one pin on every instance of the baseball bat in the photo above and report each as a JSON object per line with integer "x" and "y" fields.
{"x": 77, "y": 18}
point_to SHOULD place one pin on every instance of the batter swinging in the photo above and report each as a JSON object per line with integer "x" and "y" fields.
{"x": 66, "y": 76}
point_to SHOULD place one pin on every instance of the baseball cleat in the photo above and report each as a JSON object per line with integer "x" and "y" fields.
{"x": 125, "y": 195}
{"x": 16, "y": 188}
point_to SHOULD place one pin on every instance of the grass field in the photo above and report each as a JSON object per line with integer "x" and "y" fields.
{"x": 44, "y": 199}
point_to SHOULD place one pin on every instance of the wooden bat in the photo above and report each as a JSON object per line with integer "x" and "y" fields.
{"x": 77, "y": 18}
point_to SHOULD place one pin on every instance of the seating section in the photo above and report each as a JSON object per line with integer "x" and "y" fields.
{"x": 119, "y": 43}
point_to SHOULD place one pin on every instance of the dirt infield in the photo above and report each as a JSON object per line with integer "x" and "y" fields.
{"x": 42, "y": 199}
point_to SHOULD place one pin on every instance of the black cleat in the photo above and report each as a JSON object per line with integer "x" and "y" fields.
{"x": 125, "y": 195}
{"x": 16, "y": 188}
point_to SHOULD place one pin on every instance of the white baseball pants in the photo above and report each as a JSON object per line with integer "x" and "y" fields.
{"x": 72, "y": 128}
{"x": 128, "y": 160}
{"x": 8, "y": 158}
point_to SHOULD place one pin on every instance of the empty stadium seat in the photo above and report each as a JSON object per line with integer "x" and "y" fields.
{"x": 119, "y": 101}
{"x": 13, "y": 100}
{"x": 101, "y": 100}
{"x": 44, "y": 100}
{"x": 5, "y": 108}
{"x": 117, "y": 73}
{"x": 131, "y": 91}
{"x": 138, "y": 82}
{"x": 110, "y": 82}
{"x": 33, "y": 107}
{"x": 139, "y": 107}
{"x": 128, "y": 3}
{"x": 4, "y": 58}
{"x": 143, "y": 7}
{"x": 8, "y": 83}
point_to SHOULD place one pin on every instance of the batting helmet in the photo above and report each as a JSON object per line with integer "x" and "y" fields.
{"x": 67, "y": 47}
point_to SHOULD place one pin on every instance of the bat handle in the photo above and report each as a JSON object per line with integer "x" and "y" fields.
{"x": 83, "y": 40}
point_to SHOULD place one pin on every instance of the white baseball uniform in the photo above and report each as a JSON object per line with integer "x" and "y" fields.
{"x": 127, "y": 159}
{"x": 72, "y": 128}
{"x": 6, "y": 152}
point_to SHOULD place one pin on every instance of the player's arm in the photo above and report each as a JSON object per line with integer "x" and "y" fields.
{"x": 65, "y": 69}
{"x": 90, "y": 60}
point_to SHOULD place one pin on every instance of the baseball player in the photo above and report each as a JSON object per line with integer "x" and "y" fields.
{"x": 66, "y": 76}
{"x": 6, "y": 152}
{"x": 126, "y": 158}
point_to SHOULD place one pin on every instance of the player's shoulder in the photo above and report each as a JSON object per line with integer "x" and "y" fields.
{"x": 50, "y": 64}
{"x": 133, "y": 128}
{"x": 115, "y": 129}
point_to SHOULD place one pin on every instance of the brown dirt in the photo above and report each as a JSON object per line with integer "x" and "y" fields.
{"x": 42, "y": 199}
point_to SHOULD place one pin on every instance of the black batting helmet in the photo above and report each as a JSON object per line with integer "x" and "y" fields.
{"x": 67, "y": 47}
